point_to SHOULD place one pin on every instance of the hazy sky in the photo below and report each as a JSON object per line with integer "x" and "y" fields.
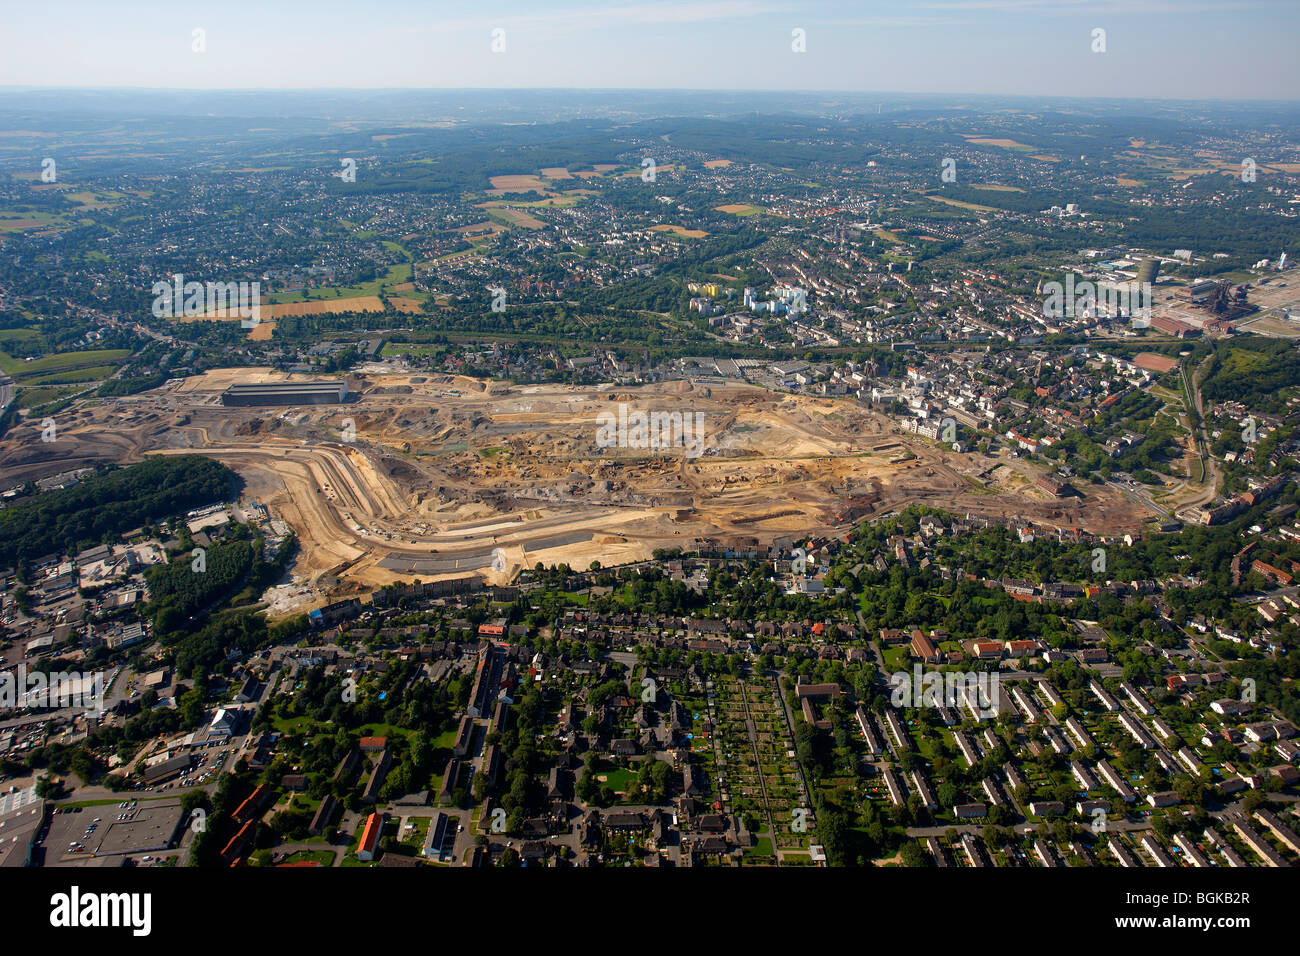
{"x": 1235, "y": 49}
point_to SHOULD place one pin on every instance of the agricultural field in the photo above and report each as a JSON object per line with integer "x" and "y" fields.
{"x": 516, "y": 184}
{"x": 681, "y": 231}
{"x": 21, "y": 369}
{"x": 94, "y": 373}
{"x": 514, "y": 217}
{"x": 18, "y": 335}
{"x": 29, "y": 221}
{"x": 600, "y": 169}
{"x": 973, "y": 207}
{"x": 994, "y": 141}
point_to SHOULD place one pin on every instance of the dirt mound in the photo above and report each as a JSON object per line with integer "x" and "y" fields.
{"x": 253, "y": 426}
{"x": 399, "y": 470}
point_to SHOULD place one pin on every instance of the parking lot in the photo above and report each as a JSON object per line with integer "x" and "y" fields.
{"x": 110, "y": 829}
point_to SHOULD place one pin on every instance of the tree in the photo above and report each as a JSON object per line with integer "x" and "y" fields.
{"x": 192, "y": 800}
{"x": 911, "y": 855}
{"x": 834, "y": 834}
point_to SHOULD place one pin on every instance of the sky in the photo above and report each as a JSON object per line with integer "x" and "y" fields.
{"x": 1178, "y": 49}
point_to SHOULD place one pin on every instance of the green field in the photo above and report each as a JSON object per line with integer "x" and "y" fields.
{"x": 63, "y": 360}
{"x": 322, "y": 857}
{"x": 395, "y": 275}
{"x": 36, "y": 397}
{"x": 24, "y": 221}
{"x": 1241, "y": 361}
{"x": 95, "y": 373}
{"x": 897, "y": 657}
{"x": 617, "y": 780}
{"x": 416, "y": 836}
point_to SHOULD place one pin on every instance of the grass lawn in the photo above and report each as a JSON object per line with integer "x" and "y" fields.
{"x": 896, "y": 658}
{"x": 294, "y": 725}
{"x": 305, "y": 724}
{"x": 356, "y": 836}
{"x": 416, "y": 836}
{"x": 300, "y": 801}
{"x": 323, "y": 857}
{"x": 385, "y": 730}
{"x": 618, "y": 780}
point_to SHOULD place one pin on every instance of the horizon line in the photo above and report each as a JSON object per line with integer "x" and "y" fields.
{"x": 289, "y": 90}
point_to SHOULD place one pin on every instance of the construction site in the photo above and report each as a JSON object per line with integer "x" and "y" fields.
{"x": 440, "y": 476}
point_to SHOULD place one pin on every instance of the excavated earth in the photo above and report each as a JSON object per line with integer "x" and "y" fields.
{"x": 429, "y": 479}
